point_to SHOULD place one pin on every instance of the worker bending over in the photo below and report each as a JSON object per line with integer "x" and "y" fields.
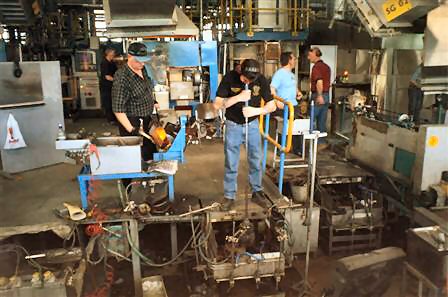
{"x": 232, "y": 96}
{"x": 132, "y": 98}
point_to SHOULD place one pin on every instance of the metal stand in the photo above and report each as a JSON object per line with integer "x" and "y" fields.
{"x": 85, "y": 179}
{"x": 350, "y": 239}
{"x": 304, "y": 287}
{"x": 423, "y": 281}
{"x": 301, "y": 128}
{"x": 136, "y": 268}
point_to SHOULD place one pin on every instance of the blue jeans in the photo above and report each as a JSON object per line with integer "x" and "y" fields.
{"x": 234, "y": 137}
{"x": 320, "y": 113}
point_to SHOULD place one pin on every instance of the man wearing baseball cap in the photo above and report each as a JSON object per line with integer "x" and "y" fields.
{"x": 235, "y": 89}
{"x": 132, "y": 98}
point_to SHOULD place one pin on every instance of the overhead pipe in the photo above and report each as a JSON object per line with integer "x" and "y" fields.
{"x": 294, "y": 32}
{"x": 201, "y": 21}
{"x": 250, "y": 33}
{"x": 231, "y": 17}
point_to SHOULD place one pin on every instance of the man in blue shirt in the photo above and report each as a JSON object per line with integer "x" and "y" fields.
{"x": 284, "y": 85}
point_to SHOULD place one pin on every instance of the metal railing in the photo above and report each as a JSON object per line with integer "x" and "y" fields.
{"x": 286, "y": 141}
{"x": 299, "y": 16}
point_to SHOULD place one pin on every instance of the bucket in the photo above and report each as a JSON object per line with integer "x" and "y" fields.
{"x": 299, "y": 193}
{"x": 153, "y": 286}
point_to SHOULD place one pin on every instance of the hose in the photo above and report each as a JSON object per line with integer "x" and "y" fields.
{"x": 148, "y": 261}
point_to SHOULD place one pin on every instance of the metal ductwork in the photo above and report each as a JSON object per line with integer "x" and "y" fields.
{"x": 139, "y": 18}
{"x": 387, "y": 17}
{"x": 15, "y": 12}
{"x": 435, "y": 71}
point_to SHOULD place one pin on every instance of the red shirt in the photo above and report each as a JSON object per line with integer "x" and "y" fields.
{"x": 320, "y": 71}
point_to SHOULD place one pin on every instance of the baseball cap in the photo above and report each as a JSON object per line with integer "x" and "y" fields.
{"x": 139, "y": 51}
{"x": 250, "y": 68}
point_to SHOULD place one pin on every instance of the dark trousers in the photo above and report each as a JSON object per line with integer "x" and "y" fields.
{"x": 415, "y": 102}
{"x": 148, "y": 148}
{"x": 106, "y": 103}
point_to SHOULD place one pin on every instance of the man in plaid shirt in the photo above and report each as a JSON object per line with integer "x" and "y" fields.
{"x": 132, "y": 98}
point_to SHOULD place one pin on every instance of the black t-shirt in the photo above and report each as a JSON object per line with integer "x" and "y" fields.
{"x": 107, "y": 68}
{"x": 232, "y": 85}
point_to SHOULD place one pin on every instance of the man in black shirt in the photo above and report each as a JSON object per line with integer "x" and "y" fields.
{"x": 233, "y": 92}
{"x": 108, "y": 69}
{"x": 132, "y": 98}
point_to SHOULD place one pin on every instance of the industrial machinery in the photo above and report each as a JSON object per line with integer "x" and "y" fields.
{"x": 366, "y": 275}
{"x": 187, "y": 70}
{"x": 131, "y": 19}
{"x": 85, "y": 69}
{"x": 387, "y": 18}
{"x": 427, "y": 252}
{"x": 415, "y": 158}
{"x": 243, "y": 248}
{"x": 54, "y": 272}
{"x": 351, "y": 208}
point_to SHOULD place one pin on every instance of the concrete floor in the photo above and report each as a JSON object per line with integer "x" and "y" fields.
{"x": 28, "y": 200}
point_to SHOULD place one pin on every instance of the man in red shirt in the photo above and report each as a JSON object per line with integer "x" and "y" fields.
{"x": 320, "y": 87}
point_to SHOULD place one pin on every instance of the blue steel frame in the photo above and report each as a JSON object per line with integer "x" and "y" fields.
{"x": 85, "y": 179}
{"x": 175, "y": 152}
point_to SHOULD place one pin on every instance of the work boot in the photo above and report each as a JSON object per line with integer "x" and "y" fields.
{"x": 227, "y": 204}
{"x": 260, "y": 199}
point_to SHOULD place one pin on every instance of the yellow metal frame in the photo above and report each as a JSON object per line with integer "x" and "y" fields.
{"x": 299, "y": 15}
{"x": 290, "y": 126}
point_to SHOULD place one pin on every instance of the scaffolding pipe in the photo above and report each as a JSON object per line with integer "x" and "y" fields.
{"x": 279, "y": 9}
{"x": 294, "y": 9}
{"x": 241, "y": 16}
{"x": 231, "y": 17}
{"x": 222, "y": 14}
{"x": 201, "y": 21}
{"x": 250, "y": 33}
{"x": 308, "y": 14}
{"x": 294, "y": 32}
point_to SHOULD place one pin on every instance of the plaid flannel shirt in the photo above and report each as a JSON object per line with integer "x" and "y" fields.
{"x": 131, "y": 94}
